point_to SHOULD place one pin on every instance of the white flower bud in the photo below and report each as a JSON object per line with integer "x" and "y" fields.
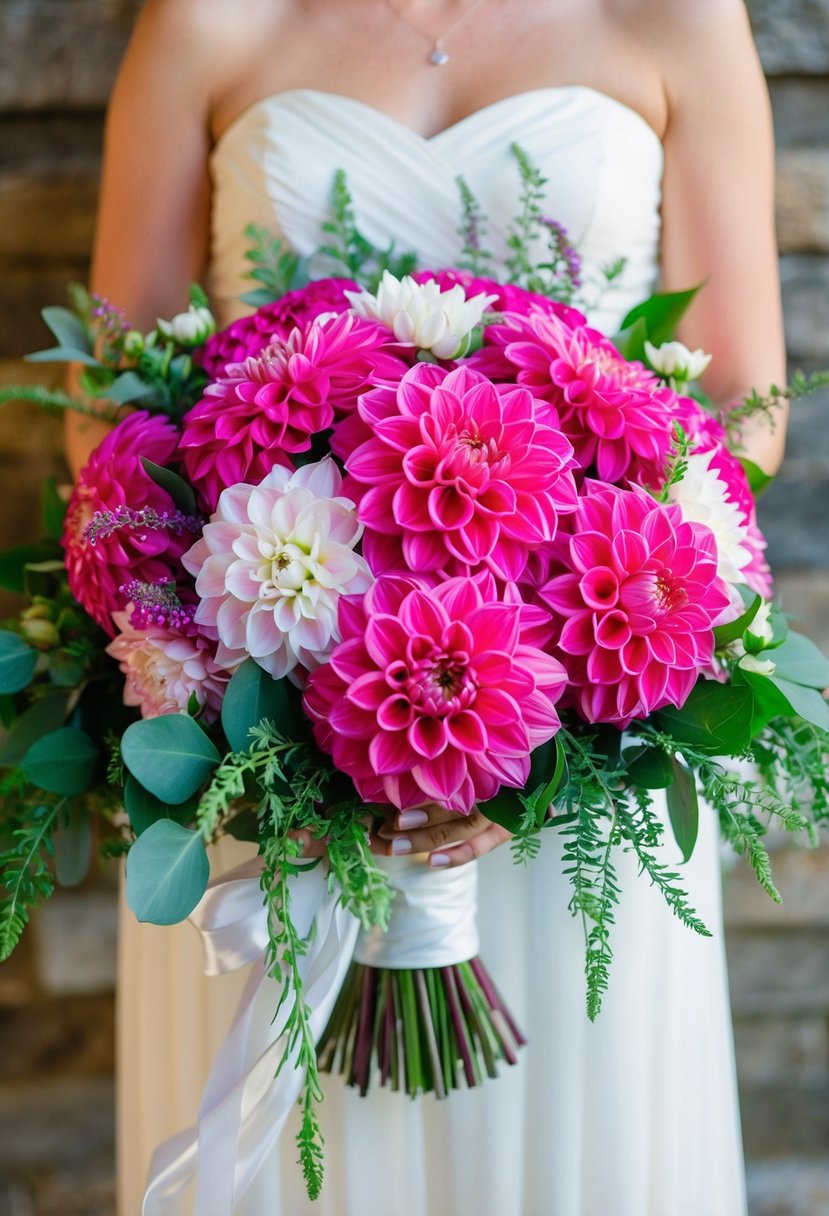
{"x": 677, "y": 361}
{"x": 189, "y": 328}
{"x": 420, "y": 313}
{"x": 760, "y": 667}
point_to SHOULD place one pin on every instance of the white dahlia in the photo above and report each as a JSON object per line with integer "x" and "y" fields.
{"x": 271, "y": 566}
{"x": 703, "y": 498}
{"x": 420, "y": 313}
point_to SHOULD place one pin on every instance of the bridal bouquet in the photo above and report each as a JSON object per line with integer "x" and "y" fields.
{"x": 390, "y": 540}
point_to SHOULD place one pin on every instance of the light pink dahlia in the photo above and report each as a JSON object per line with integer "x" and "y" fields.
{"x": 274, "y": 403}
{"x": 164, "y": 668}
{"x": 271, "y": 566}
{"x": 639, "y": 604}
{"x": 251, "y": 334}
{"x": 432, "y": 695}
{"x": 459, "y": 473}
{"x": 113, "y": 479}
{"x": 617, "y": 414}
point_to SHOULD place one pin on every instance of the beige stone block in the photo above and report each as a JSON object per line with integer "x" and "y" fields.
{"x": 54, "y": 1123}
{"x": 778, "y": 973}
{"x": 802, "y": 878}
{"x": 47, "y": 216}
{"x": 792, "y": 35}
{"x": 803, "y": 200}
{"x": 63, "y": 1036}
{"x": 75, "y": 933}
{"x": 772, "y": 1049}
{"x": 788, "y": 1187}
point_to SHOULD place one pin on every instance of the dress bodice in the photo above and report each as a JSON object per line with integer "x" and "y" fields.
{"x": 603, "y": 163}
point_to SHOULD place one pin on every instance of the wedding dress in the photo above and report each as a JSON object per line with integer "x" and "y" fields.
{"x": 635, "y": 1115}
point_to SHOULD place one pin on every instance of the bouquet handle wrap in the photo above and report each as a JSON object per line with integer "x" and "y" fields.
{"x": 246, "y": 1100}
{"x": 433, "y": 921}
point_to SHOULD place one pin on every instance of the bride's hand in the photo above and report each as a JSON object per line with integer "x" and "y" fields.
{"x": 450, "y": 839}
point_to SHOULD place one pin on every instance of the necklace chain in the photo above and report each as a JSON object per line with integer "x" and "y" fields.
{"x": 438, "y": 56}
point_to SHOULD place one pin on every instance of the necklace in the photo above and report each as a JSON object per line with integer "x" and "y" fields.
{"x": 438, "y": 56}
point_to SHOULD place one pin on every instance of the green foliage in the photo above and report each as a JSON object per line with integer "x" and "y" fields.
{"x": 250, "y": 696}
{"x": 661, "y": 314}
{"x": 353, "y": 254}
{"x": 473, "y": 228}
{"x": 25, "y": 874}
{"x": 725, "y": 634}
{"x": 41, "y": 718}
{"x": 167, "y": 873}
{"x": 179, "y": 490}
{"x": 520, "y": 264}
{"x": 63, "y": 762}
{"x": 170, "y": 756}
{"x": 716, "y": 719}
{"x": 17, "y": 662}
{"x": 275, "y": 267}
{"x": 144, "y": 809}
{"x": 677, "y": 462}
{"x": 767, "y": 406}
{"x": 683, "y": 808}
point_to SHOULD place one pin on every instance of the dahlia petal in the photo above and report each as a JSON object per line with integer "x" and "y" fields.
{"x": 428, "y": 737}
{"x": 390, "y": 752}
{"x": 467, "y": 732}
{"x": 443, "y": 776}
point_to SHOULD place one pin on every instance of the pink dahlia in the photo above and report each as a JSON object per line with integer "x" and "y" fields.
{"x": 639, "y": 604}
{"x": 164, "y": 668}
{"x": 145, "y": 536}
{"x": 459, "y": 473}
{"x": 250, "y": 335}
{"x": 432, "y": 695}
{"x": 617, "y": 414}
{"x": 276, "y": 402}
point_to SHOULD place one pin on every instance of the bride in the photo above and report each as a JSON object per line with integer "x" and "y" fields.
{"x": 650, "y": 121}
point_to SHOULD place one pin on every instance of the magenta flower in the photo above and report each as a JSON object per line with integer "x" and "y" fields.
{"x": 459, "y": 473}
{"x": 617, "y": 414}
{"x": 639, "y": 604}
{"x": 274, "y": 403}
{"x": 112, "y": 480}
{"x": 250, "y": 335}
{"x": 432, "y": 695}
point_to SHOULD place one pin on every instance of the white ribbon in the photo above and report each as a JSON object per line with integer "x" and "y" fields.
{"x": 434, "y": 917}
{"x": 245, "y": 1104}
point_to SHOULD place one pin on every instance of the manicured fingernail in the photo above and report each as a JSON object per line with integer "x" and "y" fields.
{"x": 439, "y": 859}
{"x": 401, "y": 845}
{"x": 412, "y": 819}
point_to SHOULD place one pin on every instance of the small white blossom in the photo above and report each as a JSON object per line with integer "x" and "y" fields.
{"x": 703, "y": 498}
{"x": 677, "y": 361}
{"x": 420, "y": 313}
{"x": 189, "y": 328}
{"x": 760, "y": 667}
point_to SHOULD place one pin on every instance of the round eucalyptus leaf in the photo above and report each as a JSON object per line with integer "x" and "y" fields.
{"x": 167, "y": 873}
{"x": 17, "y": 662}
{"x": 170, "y": 756}
{"x": 144, "y": 809}
{"x": 250, "y": 696}
{"x": 63, "y": 762}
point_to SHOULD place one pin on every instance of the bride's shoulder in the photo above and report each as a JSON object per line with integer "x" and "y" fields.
{"x": 201, "y": 28}
{"x": 682, "y": 25}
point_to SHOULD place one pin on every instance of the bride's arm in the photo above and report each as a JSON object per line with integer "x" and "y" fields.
{"x": 152, "y": 226}
{"x": 718, "y": 203}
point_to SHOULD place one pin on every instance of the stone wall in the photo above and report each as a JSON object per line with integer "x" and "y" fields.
{"x": 57, "y": 60}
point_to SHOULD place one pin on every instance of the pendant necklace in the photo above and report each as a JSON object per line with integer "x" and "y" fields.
{"x": 438, "y": 56}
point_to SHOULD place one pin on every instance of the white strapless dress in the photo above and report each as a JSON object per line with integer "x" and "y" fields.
{"x": 635, "y": 1115}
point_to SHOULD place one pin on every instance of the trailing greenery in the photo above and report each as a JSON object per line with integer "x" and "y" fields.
{"x": 25, "y": 867}
{"x": 767, "y": 405}
{"x": 354, "y": 254}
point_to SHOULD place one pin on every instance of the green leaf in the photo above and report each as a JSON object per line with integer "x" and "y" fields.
{"x": 41, "y": 718}
{"x": 13, "y": 565}
{"x": 252, "y": 695}
{"x": 769, "y": 702}
{"x": 716, "y": 718}
{"x": 128, "y": 387}
{"x": 144, "y": 809}
{"x": 244, "y": 826}
{"x": 630, "y": 342}
{"x": 683, "y": 807}
{"x": 661, "y": 314}
{"x": 805, "y": 703}
{"x": 649, "y": 767}
{"x": 178, "y": 489}
{"x": 62, "y": 354}
{"x": 53, "y": 508}
{"x": 545, "y": 797}
{"x": 73, "y": 847}
{"x": 757, "y": 479}
{"x": 723, "y": 634}
{"x": 167, "y": 873}
{"x": 170, "y": 756}
{"x": 65, "y": 671}
{"x": 798, "y": 659}
{"x": 505, "y": 809}
{"x": 17, "y": 662}
{"x": 63, "y": 762}
{"x": 68, "y": 328}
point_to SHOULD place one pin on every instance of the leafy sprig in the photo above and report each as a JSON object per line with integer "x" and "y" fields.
{"x": 27, "y": 875}
{"x": 352, "y": 252}
{"x": 275, "y": 267}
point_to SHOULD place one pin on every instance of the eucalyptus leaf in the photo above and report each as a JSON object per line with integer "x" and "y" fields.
{"x": 170, "y": 756}
{"x": 41, "y": 718}
{"x": 178, "y": 489}
{"x": 799, "y": 660}
{"x": 683, "y": 807}
{"x": 250, "y": 696}
{"x": 65, "y": 671}
{"x": 68, "y": 328}
{"x": 17, "y": 662}
{"x": 73, "y": 846}
{"x": 63, "y": 762}
{"x": 805, "y": 703}
{"x": 128, "y": 387}
{"x": 167, "y": 873}
{"x": 62, "y": 354}
{"x": 144, "y": 809}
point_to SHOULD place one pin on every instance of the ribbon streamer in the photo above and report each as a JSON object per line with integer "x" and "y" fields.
{"x": 245, "y": 1103}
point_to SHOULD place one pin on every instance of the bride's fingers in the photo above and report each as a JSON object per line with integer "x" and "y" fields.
{"x": 419, "y": 817}
{"x": 470, "y": 850}
{"x": 449, "y": 829}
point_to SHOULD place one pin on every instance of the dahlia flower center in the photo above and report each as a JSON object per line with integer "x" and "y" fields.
{"x": 442, "y": 683}
{"x": 286, "y": 570}
{"x": 468, "y": 451}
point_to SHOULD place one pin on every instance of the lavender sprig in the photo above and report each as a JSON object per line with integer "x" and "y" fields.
{"x": 104, "y": 524}
{"x": 156, "y": 605}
